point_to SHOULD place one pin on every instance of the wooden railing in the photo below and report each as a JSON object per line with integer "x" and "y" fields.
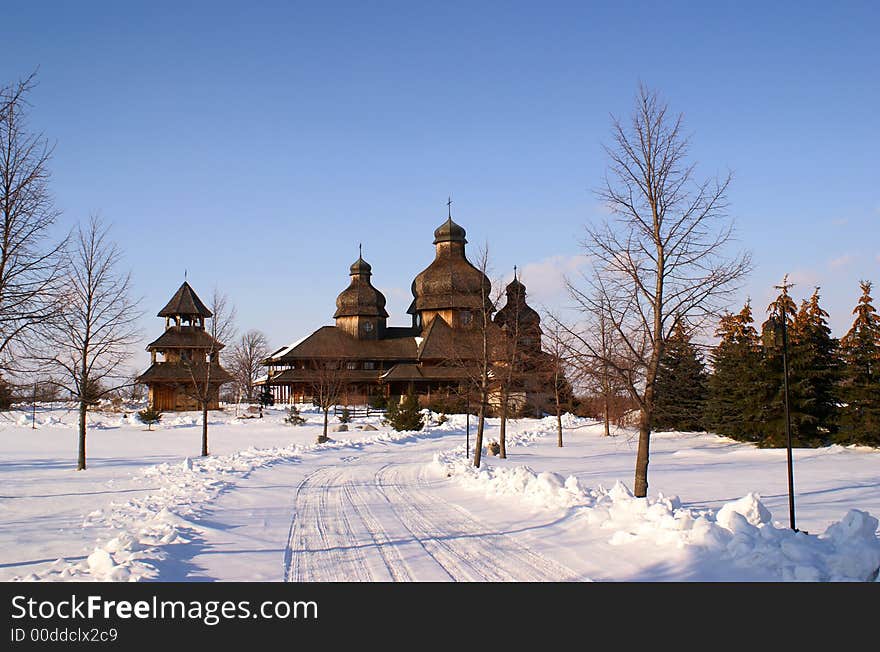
{"x": 358, "y": 411}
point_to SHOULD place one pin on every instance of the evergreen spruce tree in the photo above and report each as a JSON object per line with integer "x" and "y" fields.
{"x": 149, "y": 416}
{"x": 680, "y": 390}
{"x": 733, "y": 406}
{"x": 815, "y": 369}
{"x": 860, "y": 376}
{"x": 266, "y": 398}
{"x": 293, "y": 417}
{"x": 812, "y": 372}
{"x": 405, "y": 414}
{"x": 5, "y": 395}
{"x": 771, "y": 415}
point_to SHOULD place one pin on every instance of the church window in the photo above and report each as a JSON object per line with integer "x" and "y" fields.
{"x": 351, "y": 365}
{"x": 369, "y": 365}
{"x": 466, "y": 317}
{"x": 368, "y": 327}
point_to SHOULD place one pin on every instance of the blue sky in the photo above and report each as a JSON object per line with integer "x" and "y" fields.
{"x": 255, "y": 144}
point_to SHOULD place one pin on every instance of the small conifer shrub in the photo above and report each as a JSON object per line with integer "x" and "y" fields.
{"x": 293, "y": 416}
{"x": 149, "y": 416}
{"x": 405, "y": 414}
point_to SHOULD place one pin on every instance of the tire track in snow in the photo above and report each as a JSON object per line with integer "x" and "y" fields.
{"x": 335, "y": 535}
{"x": 397, "y": 568}
{"x": 323, "y": 544}
{"x": 469, "y": 552}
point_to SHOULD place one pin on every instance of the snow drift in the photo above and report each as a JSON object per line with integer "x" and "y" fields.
{"x": 741, "y": 532}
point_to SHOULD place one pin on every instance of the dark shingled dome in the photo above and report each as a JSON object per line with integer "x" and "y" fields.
{"x": 360, "y": 266}
{"x": 516, "y": 309}
{"x": 360, "y": 298}
{"x": 185, "y": 303}
{"x": 449, "y": 231}
{"x": 450, "y": 281}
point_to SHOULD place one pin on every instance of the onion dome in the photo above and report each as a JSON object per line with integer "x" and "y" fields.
{"x": 516, "y": 310}
{"x": 360, "y": 298}
{"x": 360, "y": 266}
{"x": 450, "y": 282}
{"x": 449, "y": 231}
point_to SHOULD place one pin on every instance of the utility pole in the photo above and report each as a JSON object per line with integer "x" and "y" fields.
{"x": 34, "y": 412}
{"x": 784, "y": 287}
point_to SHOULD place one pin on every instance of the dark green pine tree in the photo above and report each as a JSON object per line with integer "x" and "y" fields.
{"x": 769, "y": 391}
{"x": 680, "y": 390}
{"x": 733, "y": 406}
{"x": 814, "y": 371}
{"x": 404, "y": 413}
{"x": 860, "y": 377}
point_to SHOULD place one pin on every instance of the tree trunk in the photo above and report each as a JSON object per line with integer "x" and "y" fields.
{"x": 641, "y": 482}
{"x": 323, "y": 438}
{"x": 204, "y": 428}
{"x": 607, "y": 415}
{"x": 81, "y": 459}
{"x": 558, "y": 416}
{"x": 502, "y": 435}
{"x": 558, "y": 426}
{"x": 478, "y": 443}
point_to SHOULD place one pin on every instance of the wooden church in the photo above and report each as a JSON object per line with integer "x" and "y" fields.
{"x": 436, "y": 354}
{"x": 185, "y": 359}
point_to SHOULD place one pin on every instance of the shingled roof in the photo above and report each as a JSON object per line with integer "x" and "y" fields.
{"x": 184, "y": 337}
{"x": 441, "y": 342}
{"x": 171, "y": 372}
{"x": 313, "y": 375}
{"x": 185, "y": 303}
{"x": 409, "y": 372}
{"x": 330, "y": 342}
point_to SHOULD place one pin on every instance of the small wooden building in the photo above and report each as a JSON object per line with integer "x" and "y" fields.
{"x": 185, "y": 358}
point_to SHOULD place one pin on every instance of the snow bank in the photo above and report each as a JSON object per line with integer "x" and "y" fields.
{"x": 741, "y": 532}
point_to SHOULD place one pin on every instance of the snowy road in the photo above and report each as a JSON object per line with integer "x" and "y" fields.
{"x": 374, "y": 505}
{"x": 375, "y": 518}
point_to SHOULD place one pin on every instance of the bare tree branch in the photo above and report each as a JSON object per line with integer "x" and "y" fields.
{"x": 30, "y": 264}
{"x": 245, "y": 362}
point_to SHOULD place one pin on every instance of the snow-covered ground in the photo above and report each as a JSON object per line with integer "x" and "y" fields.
{"x": 373, "y": 504}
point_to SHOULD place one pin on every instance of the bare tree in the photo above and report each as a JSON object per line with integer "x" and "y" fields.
{"x": 508, "y": 373}
{"x": 245, "y": 362}
{"x": 205, "y": 373}
{"x": 30, "y": 264}
{"x": 599, "y": 370}
{"x": 559, "y": 350}
{"x": 477, "y": 352}
{"x": 594, "y": 353}
{"x": 88, "y": 342}
{"x": 329, "y": 382}
{"x": 660, "y": 257}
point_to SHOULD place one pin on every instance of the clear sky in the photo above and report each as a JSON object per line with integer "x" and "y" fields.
{"x": 256, "y": 144}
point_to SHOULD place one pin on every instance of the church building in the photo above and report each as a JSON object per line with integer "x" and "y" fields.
{"x": 436, "y": 355}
